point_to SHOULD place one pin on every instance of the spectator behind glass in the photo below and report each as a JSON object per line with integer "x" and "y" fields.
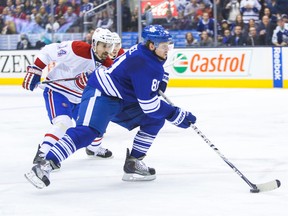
{"x": 86, "y": 6}
{"x": 75, "y": 4}
{"x": 265, "y": 31}
{"x": 27, "y": 9}
{"x": 18, "y": 13}
{"x": 148, "y": 15}
{"x": 253, "y": 38}
{"x": 190, "y": 40}
{"x": 280, "y": 34}
{"x": 238, "y": 22}
{"x": 273, "y": 9}
{"x": 206, "y": 24}
{"x": 70, "y": 16}
{"x": 134, "y": 20}
{"x": 24, "y": 43}
{"x": 250, "y": 24}
{"x": 10, "y": 5}
{"x": 44, "y": 16}
{"x": 54, "y": 27}
{"x": 226, "y": 38}
{"x": 232, "y": 9}
{"x": 190, "y": 13}
{"x": 250, "y": 9}
{"x": 88, "y": 38}
{"x": 223, "y": 27}
{"x": 284, "y": 17}
{"x": 61, "y": 8}
{"x": 182, "y": 22}
{"x": 282, "y": 6}
{"x": 237, "y": 39}
{"x": 202, "y": 9}
{"x": 170, "y": 22}
{"x": 105, "y": 21}
{"x": 126, "y": 16}
{"x": 206, "y": 40}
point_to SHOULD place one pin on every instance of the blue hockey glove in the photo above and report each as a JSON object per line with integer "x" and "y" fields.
{"x": 163, "y": 83}
{"x": 32, "y": 77}
{"x": 182, "y": 118}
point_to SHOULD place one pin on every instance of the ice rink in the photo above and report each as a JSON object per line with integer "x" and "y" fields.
{"x": 249, "y": 126}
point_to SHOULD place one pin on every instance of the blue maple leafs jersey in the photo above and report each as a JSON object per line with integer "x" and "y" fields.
{"x": 134, "y": 77}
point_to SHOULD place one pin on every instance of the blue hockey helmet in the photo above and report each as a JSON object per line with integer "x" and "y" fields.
{"x": 156, "y": 34}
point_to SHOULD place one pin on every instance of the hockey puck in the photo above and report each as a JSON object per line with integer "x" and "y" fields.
{"x": 254, "y": 190}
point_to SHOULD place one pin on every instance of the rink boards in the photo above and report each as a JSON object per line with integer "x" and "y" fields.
{"x": 265, "y": 67}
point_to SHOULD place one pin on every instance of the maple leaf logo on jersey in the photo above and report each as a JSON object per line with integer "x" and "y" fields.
{"x": 152, "y": 29}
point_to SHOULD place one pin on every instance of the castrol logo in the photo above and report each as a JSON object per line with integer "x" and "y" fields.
{"x": 213, "y": 63}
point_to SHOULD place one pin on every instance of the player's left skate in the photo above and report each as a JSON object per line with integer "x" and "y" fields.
{"x": 40, "y": 156}
{"x": 39, "y": 174}
{"x": 100, "y": 153}
{"x": 136, "y": 170}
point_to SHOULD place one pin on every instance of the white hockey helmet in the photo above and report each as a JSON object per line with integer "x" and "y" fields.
{"x": 117, "y": 45}
{"x": 104, "y": 36}
{"x": 116, "y": 38}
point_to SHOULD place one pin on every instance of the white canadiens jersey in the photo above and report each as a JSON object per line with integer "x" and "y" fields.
{"x": 71, "y": 59}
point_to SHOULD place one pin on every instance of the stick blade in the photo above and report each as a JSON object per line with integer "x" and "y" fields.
{"x": 268, "y": 186}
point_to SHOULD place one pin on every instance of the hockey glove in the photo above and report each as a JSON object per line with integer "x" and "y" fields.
{"x": 163, "y": 83}
{"x": 32, "y": 77}
{"x": 182, "y": 118}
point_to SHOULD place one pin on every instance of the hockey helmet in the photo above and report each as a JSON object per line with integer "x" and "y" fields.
{"x": 117, "y": 45}
{"x": 156, "y": 34}
{"x": 116, "y": 38}
{"x": 104, "y": 36}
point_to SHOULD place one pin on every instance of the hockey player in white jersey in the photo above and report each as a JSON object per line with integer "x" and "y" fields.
{"x": 73, "y": 59}
{"x": 95, "y": 147}
{"x": 126, "y": 94}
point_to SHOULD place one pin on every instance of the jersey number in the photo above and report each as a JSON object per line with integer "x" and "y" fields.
{"x": 155, "y": 85}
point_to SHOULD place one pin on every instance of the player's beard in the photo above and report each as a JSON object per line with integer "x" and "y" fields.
{"x": 104, "y": 55}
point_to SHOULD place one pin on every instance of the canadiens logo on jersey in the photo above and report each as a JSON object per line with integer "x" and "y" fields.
{"x": 78, "y": 83}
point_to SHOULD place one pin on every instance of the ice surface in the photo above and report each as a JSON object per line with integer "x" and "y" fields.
{"x": 249, "y": 126}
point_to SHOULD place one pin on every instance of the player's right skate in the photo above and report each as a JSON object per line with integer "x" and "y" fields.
{"x": 136, "y": 170}
{"x": 39, "y": 174}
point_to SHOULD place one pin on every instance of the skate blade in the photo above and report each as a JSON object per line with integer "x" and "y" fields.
{"x": 34, "y": 180}
{"x": 132, "y": 177}
{"x": 96, "y": 157}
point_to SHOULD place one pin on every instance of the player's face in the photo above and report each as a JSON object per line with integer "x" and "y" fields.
{"x": 103, "y": 49}
{"x": 163, "y": 48}
{"x": 116, "y": 49}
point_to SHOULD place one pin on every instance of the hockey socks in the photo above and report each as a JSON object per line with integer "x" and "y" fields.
{"x": 142, "y": 143}
{"x": 74, "y": 139}
{"x": 94, "y": 146}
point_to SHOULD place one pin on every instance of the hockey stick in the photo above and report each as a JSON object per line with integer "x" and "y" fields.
{"x": 174, "y": 61}
{"x": 58, "y": 80}
{"x": 75, "y": 78}
{"x": 254, "y": 188}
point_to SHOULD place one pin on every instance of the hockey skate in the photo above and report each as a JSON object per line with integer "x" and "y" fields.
{"x": 100, "y": 153}
{"x": 136, "y": 170}
{"x": 39, "y": 174}
{"x": 40, "y": 156}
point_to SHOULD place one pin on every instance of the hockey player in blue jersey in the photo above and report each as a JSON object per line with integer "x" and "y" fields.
{"x": 127, "y": 94}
